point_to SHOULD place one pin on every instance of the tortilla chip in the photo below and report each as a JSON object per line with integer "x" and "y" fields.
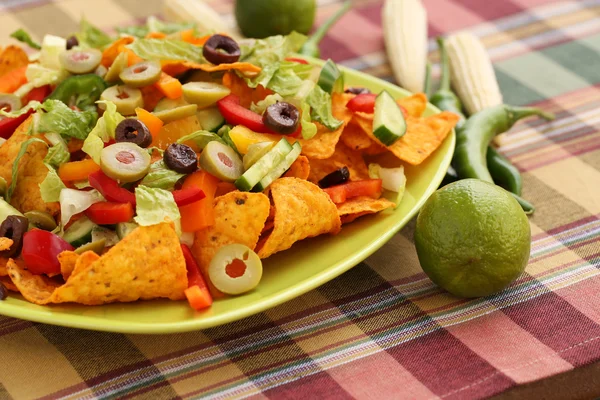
{"x": 240, "y": 88}
{"x": 110, "y": 53}
{"x": 322, "y": 145}
{"x": 3, "y": 267}
{"x": 178, "y": 67}
{"x": 32, "y": 172}
{"x": 11, "y": 58}
{"x": 37, "y": 289}
{"x": 302, "y": 210}
{"x": 146, "y": 264}
{"x": 342, "y": 157}
{"x": 67, "y": 260}
{"x": 355, "y": 138}
{"x": 359, "y": 206}
{"x": 224, "y": 187}
{"x": 239, "y": 218}
{"x": 299, "y": 169}
{"x": 423, "y": 136}
{"x": 414, "y": 105}
{"x": 8, "y": 283}
{"x": 338, "y": 106}
{"x": 5, "y": 243}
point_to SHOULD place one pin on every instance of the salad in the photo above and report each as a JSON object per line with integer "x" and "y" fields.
{"x": 167, "y": 162}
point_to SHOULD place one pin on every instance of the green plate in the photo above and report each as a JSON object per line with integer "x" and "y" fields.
{"x": 287, "y": 275}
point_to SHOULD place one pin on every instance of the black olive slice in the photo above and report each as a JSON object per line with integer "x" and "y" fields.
{"x": 181, "y": 158}
{"x": 337, "y": 177}
{"x": 13, "y": 227}
{"x": 220, "y": 49}
{"x": 282, "y": 117}
{"x": 134, "y": 131}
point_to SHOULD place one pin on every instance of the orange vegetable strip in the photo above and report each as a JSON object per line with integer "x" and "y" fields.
{"x": 156, "y": 35}
{"x": 199, "y": 298}
{"x": 153, "y": 123}
{"x": 169, "y": 86}
{"x": 77, "y": 170}
{"x": 112, "y": 51}
{"x": 13, "y": 80}
{"x": 200, "y": 214}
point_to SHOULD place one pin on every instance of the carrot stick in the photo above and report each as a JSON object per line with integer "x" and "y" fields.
{"x": 77, "y": 170}
{"x": 169, "y": 86}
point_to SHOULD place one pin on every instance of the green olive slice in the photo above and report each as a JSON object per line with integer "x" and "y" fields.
{"x": 168, "y": 104}
{"x": 9, "y": 102}
{"x": 80, "y": 61}
{"x": 177, "y": 113}
{"x": 125, "y": 161}
{"x": 141, "y": 74}
{"x": 101, "y": 71}
{"x": 118, "y": 65}
{"x": 235, "y": 269}
{"x": 96, "y": 246}
{"x": 221, "y": 161}
{"x": 41, "y": 220}
{"x": 204, "y": 94}
{"x": 125, "y": 98}
{"x": 255, "y": 152}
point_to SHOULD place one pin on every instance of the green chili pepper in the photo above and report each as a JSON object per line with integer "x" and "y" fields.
{"x": 503, "y": 172}
{"x": 444, "y": 98}
{"x": 81, "y": 91}
{"x": 311, "y": 46}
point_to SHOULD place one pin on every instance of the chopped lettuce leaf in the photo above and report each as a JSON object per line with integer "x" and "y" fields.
{"x": 309, "y": 129}
{"x": 320, "y": 104}
{"x": 82, "y": 184}
{"x": 32, "y": 105}
{"x": 91, "y": 36}
{"x": 103, "y": 131}
{"x": 164, "y": 49}
{"x": 154, "y": 206}
{"x": 262, "y": 105}
{"x": 392, "y": 179}
{"x": 24, "y": 37}
{"x": 59, "y": 118}
{"x": 59, "y": 152}
{"x": 223, "y": 132}
{"x": 52, "y": 46}
{"x": 15, "y": 166}
{"x": 38, "y": 76}
{"x": 51, "y": 186}
{"x": 201, "y": 138}
{"x": 74, "y": 201}
{"x": 153, "y": 24}
{"x": 161, "y": 177}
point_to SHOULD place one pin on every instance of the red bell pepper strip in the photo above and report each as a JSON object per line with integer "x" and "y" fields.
{"x": 107, "y": 213}
{"x": 363, "y": 103}
{"x": 297, "y": 60}
{"x": 41, "y": 249}
{"x": 110, "y": 189}
{"x": 348, "y": 190}
{"x": 9, "y": 125}
{"x": 197, "y": 293}
{"x": 183, "y": 197}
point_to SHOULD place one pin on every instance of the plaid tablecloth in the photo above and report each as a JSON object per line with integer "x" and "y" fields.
{"x": 382, "y": 330}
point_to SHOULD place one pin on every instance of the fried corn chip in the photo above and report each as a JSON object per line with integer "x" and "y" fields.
{"x": 37, "y": 289}
{"x": 359, "y": 206}
{"x": 67, "y": 260}
{"x": 423, "y": 136}
{"x": 5, "y": 243}
{"x": 342, "y": 157}
{"x": 240, "y": 88}
{"x": 355, "y": 138}
{"x": 3, "y": 268}
{"x": 146, "y": 264}
{"x": 111, "y": 52}
{"x": 414, "y": 105}
{"x": 11, "y": 58}
{"x": 299, "y": 169}
{"x": 322, "y": 145}
{"x": 178, "y": 67}
{"x": 239, "y": 218}
{"x": 302, "y": 210}
{"x": 8, "y": 283}
{"x": 32, "y": 172}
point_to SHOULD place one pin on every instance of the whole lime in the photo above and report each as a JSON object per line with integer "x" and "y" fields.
{"x": 262, "y": 18}
{"x": 472, "y": 238}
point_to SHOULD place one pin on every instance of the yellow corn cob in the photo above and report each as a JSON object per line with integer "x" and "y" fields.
{"x": 405, "y": 34}
{"x": 472, "y": 74}
{"x": 206, "y": 19}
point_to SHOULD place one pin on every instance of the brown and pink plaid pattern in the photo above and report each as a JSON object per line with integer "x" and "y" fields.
{"x": 382, "y": 330}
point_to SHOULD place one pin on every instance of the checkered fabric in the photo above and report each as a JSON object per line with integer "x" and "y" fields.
{"x": 380, "y": 331}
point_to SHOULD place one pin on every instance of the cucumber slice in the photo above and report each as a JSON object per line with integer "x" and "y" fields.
{"x": 262, "y": 167}
{"x": 388, "y": 122}
{"x": 108, "y": 235}
{"x": 210, "y": 119}
{"x": 279, "y": 169}
{"x": 331, "y": 78}
{"x": 255, "y": 152}
{"x": 80, "y": 232}
{"x": 204, "y": 94}
{"x": 125, "y": 228}
{"x": 168, "y": 104}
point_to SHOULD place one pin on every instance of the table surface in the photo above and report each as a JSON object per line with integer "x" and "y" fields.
{"x": 383, "y": 330}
